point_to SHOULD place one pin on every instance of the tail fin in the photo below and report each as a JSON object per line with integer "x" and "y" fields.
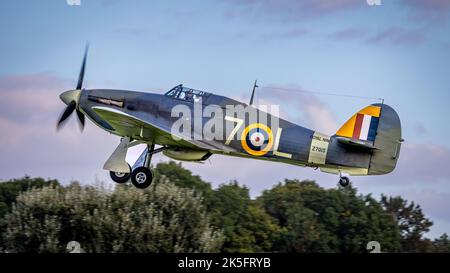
{"x": 362, "y": 125}
{"x": 377, "y": 126}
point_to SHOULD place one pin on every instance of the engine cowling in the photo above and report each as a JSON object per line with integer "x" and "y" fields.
{"x": 187, "y": 154}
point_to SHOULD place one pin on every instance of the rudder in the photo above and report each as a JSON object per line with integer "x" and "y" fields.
{"x": 387, "y": 142}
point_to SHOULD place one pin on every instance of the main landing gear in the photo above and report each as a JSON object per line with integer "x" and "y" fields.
{"x": 141, "y": 177}
{"x": 140, "y": 174}
{"x": 344, "y": 181}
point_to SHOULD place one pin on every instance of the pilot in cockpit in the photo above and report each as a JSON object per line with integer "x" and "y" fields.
{"x": 189, "y": 96}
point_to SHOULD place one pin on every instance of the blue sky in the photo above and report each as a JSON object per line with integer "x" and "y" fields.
{"x": 399, "y": 51}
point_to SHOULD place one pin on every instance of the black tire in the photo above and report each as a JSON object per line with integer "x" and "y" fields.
{"x": 344, "y": 181}
{"x": 141, "y": 177}
{"x": 120, "y": 177}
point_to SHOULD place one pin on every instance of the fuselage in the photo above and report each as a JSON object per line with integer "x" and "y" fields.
{"x": 192, "y": 125}
{"x": 289, "y": 142}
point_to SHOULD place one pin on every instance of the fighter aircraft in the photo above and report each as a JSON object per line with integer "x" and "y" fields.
{"x": 367, "y": 144}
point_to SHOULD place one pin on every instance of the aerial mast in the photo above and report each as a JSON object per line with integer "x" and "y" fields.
{"x": 253, "y": 92}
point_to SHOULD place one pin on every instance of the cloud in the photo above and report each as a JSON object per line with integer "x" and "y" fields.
{"x": 423, "y": 163}
{"x": 318, "y": 114}
{"x": 310, "y": 110}
{"x": 349, "y": 34}
{"x": 420, "y": 129}
{"x": 434, "y": 11}
{"x": 398, "y": 36}
{"x": 419, "y": 11}
{"x": 29, "y": 98}
{"x": 132, "y": 31}
{"x": 268, "y": 35}
{"x": 292, "y": 9}
{"x": 435, "y": 203}
{"x": 291, "y": 34}
{"x": 29, "y": 109}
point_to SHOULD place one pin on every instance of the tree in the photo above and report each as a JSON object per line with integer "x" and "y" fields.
{"x": 247, "y": 227}
{"x": 181, "y": 212}
{"x": 442, "y": 244}
{"x": 184, "y": 178}
{"x": 319, "y": 220}
{"x": 302, "y": 230}
{"x": 411, "y": 221}
{"x": 9, "y": 190}
{"x": 163, "y": 218}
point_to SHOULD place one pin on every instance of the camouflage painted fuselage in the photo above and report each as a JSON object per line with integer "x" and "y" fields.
{"x": 283, "y": 142}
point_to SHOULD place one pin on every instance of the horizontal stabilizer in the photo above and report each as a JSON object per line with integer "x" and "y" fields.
{"x": 356, "y": 143}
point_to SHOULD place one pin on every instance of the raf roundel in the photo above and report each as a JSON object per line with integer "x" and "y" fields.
{"x": 257, "y": 139}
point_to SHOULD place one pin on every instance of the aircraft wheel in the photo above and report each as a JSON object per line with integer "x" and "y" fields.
{"x": 141, "y": 177}
{"x": 344, "y": 181}
{"x": 120, "y": 177}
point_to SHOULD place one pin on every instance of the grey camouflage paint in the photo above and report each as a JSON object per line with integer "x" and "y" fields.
{"x": 155, "y": 109}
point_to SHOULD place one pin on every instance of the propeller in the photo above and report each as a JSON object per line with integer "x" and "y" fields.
{"x": 71, "y": 98}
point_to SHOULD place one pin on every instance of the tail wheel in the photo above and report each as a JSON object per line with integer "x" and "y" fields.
{"x": 119, "y": 177}
{"x": 141, "y": 177}
{"x": 344, "y": 181}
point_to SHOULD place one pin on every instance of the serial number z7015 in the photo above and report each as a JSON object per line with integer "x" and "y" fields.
{"x": 318, "y": 149}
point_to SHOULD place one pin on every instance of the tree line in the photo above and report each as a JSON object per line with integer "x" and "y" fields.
{"x": 180, "y": 212}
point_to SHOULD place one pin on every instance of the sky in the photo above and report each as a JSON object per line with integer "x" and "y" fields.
{"x": 398, "y": 51}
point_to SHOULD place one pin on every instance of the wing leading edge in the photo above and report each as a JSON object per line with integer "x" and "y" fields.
{"x": 125, "y": 124}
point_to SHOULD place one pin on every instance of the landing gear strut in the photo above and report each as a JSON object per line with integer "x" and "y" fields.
{"x": 142, "y": 176}
{"x": 120, "y": 171}
{"x": 344, "y": 181}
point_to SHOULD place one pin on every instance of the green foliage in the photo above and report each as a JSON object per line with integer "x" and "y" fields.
{"x": 11, "y": 189}
{"x": 247, "y": 227}
{"x": 163, "y": 218}
{"x": 183, "y": 177}
{"x": 182, "y": 213}
{"x": 319, "y": 220}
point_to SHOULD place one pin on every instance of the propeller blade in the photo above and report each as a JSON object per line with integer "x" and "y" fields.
{"x": 73, "y": 97}
{"x": 83, "y": 67}
{"x": 81, "y": 119}
{"x": 67, "y": 112}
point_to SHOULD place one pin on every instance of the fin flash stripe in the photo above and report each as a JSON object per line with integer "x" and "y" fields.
{"x": 362, "y": 125}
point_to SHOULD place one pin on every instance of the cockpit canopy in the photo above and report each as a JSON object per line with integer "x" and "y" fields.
{"x": 187, "y": 94}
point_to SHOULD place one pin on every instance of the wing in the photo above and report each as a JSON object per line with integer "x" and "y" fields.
{"x": 125, "y": 124}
